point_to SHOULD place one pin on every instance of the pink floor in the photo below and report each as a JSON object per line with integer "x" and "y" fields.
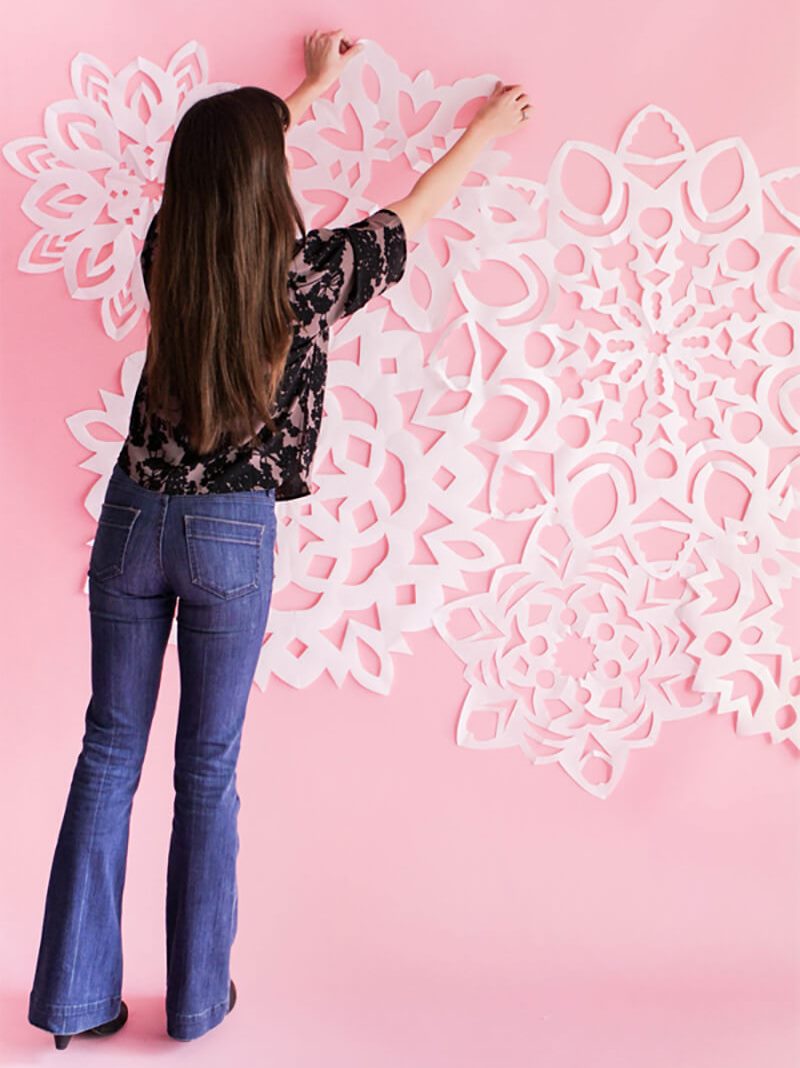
{"x": 506, "y": 919}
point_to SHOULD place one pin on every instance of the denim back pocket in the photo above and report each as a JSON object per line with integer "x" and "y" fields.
{"x": 111, "y": 540}
{"x": 224, "y": 554}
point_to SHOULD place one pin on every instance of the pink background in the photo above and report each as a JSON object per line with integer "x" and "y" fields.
{"x": 403, "y": 901}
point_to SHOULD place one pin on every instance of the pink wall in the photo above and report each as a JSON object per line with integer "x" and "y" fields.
{"x": 403, "y": 900}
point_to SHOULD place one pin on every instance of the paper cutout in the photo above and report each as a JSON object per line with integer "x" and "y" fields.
{"x": 98, "y": 175}
{"x": 647, "y": 349}
{"x": 572, "y": 656}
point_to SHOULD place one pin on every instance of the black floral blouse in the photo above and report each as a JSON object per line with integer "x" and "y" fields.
{"x": 335, "y": 271}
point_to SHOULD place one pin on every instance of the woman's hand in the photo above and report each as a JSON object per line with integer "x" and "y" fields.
{"x": 506, "y": 108}
{"x": 326, "y": 55}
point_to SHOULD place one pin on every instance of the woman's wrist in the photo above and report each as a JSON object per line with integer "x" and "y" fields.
{"x": 448, "y": 172}
{"x": 303, "y": 96}
{"x": 479, "y": 132}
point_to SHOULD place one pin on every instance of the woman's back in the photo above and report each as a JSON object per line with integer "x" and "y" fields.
{"x": 334, "y": 272}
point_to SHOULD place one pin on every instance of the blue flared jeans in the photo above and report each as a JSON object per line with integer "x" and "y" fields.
{"x": 212, "y": 554}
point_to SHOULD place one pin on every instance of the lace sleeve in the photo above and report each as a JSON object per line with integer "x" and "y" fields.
{"x": 346, "y": 266}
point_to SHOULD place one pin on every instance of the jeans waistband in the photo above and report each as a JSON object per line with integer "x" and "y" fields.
{"x": 122, "y": 478}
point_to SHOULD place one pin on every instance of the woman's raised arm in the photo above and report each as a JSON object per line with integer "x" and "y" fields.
{"x": 505, "y": 109}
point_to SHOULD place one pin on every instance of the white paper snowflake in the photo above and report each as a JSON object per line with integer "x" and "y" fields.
{"x": 98, "y": 175}
{"x": 632, "y": 398}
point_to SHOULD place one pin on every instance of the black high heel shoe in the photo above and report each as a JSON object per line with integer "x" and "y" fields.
{"x": 232, "y": 997}
{"x": 108, "y": 1028}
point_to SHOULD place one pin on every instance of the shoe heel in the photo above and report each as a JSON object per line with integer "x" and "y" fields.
{"x": 62, "y": 1041}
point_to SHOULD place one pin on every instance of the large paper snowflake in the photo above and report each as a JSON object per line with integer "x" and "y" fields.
{"x": 98, "y": 175}
{"x": 574, "y": 655}
{"x": 632, "y": 397}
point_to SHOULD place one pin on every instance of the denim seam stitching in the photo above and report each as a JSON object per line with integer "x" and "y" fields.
{"x": 65, "y": 1008}
{"x": 194, "y": 1015}
{"x": 163, "y": 521}
{"x": 106, "y": 766}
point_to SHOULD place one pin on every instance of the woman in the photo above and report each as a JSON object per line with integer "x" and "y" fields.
{"x": 224, "y": 423}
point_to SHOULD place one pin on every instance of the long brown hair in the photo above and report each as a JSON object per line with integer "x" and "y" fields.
{"x": 220, "y": 317}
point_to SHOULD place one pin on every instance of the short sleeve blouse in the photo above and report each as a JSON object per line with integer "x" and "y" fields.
{"x": 335, "y": 271}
